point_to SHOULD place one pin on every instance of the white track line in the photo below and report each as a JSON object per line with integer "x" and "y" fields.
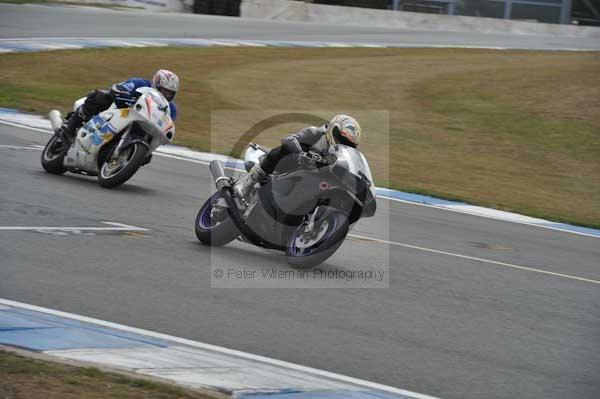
{"x": 20, "y": 147}
{"x": 218, "y": 349}
{"x": 23, "y": 126}
{"x": 115, "y": 227}
{"x": 160, "y": 154}
{"x": 444, "y": 208}
{"x": 493, "y": 262}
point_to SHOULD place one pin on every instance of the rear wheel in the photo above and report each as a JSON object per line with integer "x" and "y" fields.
{"x": 116, "y": 170}
{"x": 53, "y": 156}
{"x": 309, "y": 249}
{"x": 213, "y": 225}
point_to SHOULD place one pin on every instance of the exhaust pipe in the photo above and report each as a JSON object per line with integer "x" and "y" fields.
{"x": 224, "y": 185}
{"x": 56, "y": 120}
{"x": 218, "y": 173}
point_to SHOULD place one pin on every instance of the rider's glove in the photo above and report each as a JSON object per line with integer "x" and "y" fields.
{"x": 306, "y": 161}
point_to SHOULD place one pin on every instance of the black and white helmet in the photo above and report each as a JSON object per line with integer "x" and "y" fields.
{"x": 343, "y": 129}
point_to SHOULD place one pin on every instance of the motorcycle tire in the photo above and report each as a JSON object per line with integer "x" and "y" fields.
{"x": 52, "y": 162}
{"x": 303, "y": 254}
{"x": 134, "y": 159}
{"x": 215, "y": 235}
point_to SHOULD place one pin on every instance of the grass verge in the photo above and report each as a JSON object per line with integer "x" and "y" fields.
{"x": 513, "y": 130}
{"x": 24, "y": 377}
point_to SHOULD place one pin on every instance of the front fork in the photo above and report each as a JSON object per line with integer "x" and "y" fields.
{"x": 126, "y": 140}
{"x": 311, "y": 221}
{"x": 316, "y": 214}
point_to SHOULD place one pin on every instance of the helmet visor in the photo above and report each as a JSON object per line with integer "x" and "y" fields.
{"x": 342, "y": 138}
{"x": 169, "y": 94}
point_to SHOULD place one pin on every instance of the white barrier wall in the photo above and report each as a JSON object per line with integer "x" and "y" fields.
{"x": 339, "y": 15}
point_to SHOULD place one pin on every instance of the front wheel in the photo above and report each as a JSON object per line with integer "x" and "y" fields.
{"x": 115, "y": 171}
{"x": 53, "y": 156}
{"x": 309, "y": 249}
{"x": 213, "y": 225}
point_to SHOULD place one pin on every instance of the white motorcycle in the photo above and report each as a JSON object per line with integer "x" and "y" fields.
{"x": 115, "y": 143}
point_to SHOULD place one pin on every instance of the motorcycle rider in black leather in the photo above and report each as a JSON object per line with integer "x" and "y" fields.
{"x": 342, "y": 129}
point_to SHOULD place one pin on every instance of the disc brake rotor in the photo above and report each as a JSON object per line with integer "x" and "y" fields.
{"x": 116, "y": 164}
{"x": 307, "y": 240}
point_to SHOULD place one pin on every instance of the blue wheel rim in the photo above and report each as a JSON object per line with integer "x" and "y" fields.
{"x": 205, "y": 221}
{"x": 298, "y": 252}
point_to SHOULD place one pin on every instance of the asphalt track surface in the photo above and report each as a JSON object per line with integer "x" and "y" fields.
{"x": 47, "y": 21}
{"x": 447, "y": 326}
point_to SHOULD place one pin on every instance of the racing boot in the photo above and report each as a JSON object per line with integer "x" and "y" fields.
{"x": 245, "y": 185}
{"x": 67, "y": 131}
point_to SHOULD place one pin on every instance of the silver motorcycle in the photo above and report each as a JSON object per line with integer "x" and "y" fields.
{"x": 304, "y": 212}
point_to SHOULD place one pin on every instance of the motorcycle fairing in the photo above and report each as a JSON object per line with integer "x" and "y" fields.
{"x": 156, "y": 112}
{"x": 90, "y": 138}
{"x": 289, "y": 196}
{"x": 272, "y": 232}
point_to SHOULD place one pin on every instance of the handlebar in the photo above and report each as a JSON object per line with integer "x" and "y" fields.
{"x": 314, "y": 156}
{"x": 129, "y": 101}
{"x": 313, "y": 159}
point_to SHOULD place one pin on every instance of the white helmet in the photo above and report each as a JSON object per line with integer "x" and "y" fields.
{"x": 167, "y": 83}
{"x": 343, "y": 129}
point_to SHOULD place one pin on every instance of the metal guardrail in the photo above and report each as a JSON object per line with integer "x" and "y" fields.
{"x": 565, "y": 6}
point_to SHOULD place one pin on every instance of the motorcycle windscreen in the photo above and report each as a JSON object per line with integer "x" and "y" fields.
{"x": 356, "y": 161}
{"x": 356, "y": 164}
